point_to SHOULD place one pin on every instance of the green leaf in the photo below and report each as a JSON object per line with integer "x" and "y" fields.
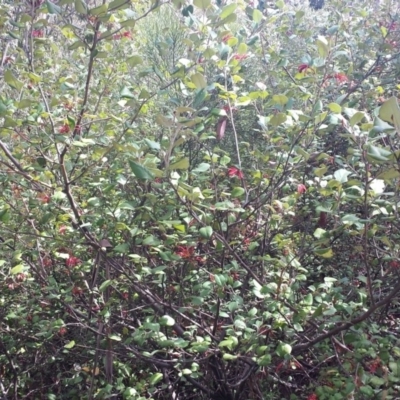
{"x": 378, "y": 153}
{"x": 80, "y": 7}
{"x": 237, "y": 192}
{"x": 153, "y": 145}
{"x": 53, "y": 8}
{"x": 264, "y": 360}
{"x": 325, "y": 253}
{"x": 229, "y": 9}
{"x": 140, "y": 172}
{"x": 199, "y": 81}
{"x": 199, "y": 98}
{"x": 242, "y": 48}
{"x": 181, "y": 164}
{"x": 99, "y": 10}
{"x": 308, "y": 299}
{"x": 166, "y": 320}
{"x": 155, "y": 378}
{"x": 5, "y": 215}
{"x": 134, "y": 60}
{"x": 220, "y": 279}
{"x": 278, "y": 119}
{"x": 335, "y": 108}
{"x": 127, "y": 94}
{"x": 206, "y": 232}
{"x": 257, "y": 15}
{"x": 70, "y": 344}
{"x": 202, "y": 4}
{"x": 202, "y": 167}
{"x": 356, "y": 118}
{"x": 390, "y": 112}
{"x": 118, "y": 4}
{"x": 105, "y": 285}
{"x": 389, "y": 174}
{"x": 229, "y": 357}
{"x": 128, "y": 23}
{"x": 341, "y": 175}
{"x": 283, "y": 349}
{"x": 12, "y": 81}
{"x": 280, "y": 99}
{"x": 322, "y": 45}
{"x": 17, "y": 269}
{"x": 319, "y": 233}
{"x": 116, "y": 338}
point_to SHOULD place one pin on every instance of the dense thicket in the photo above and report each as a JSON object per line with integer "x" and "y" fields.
{"x": 199, "y": 201}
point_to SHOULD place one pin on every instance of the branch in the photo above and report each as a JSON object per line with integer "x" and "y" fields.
{"x": 301, "y": 347}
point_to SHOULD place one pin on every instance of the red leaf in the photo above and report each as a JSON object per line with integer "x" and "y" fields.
{"x": 233, "y": 171}
{"x": 302, "y": 67}
{"x": 221, "y": 126}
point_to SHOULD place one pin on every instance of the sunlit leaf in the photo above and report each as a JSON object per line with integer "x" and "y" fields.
{"x": 181, "y": 164}
{"x": 390, "y": 112}
{"x": 202, "y": 4}
{"x": 70, "y": 345}
{"x": 199, "y": 81}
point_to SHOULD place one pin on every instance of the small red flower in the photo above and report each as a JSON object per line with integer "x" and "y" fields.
{"x": 44, "y": 198}
{"x": 228, "y": 109}
{"x": 341, "y": 77}
{"x": 301, "y": 188}
{"x": 64, "y": 128}
{"x": 47, "y": 262}
{"x": 233, "y": 171}
{"x": 303, "y": 67}
{"x": 374, "y": 365}
{"x": 185, "y": 251}
{"x": 240, "y": 57}
{"x": 37, "y": 33}
{"x": 72, "y": 261}
{"x": 62, "y": 331}
{"x": 76, "y": 291}
{"x": 312, "y": 396}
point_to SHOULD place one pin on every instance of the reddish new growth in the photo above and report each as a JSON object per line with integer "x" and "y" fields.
{"x": 301, "y": 188}
{"x": 228, "y": 109}
{"x": 341, "y": 77}
{"x": 64, "y": 129}
{"x": 227, "y": 37}
{"x": 126, "y": 34}
{"x": 185, "y": 251}
{"x": 44, "y": 198}
{"x": 233, "y": 171}
{"x": 312, "y": 397}
{"x": 303, "y": 67}
{"x": 240, "y": 57}
{"x": 374, "y": 365}
{"x": 37, "y": 33}
{"x": 72, "y": 261}
{"x": 77, "y": 291}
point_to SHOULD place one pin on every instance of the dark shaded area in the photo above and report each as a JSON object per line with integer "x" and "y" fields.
{"x": 317, "y": 4}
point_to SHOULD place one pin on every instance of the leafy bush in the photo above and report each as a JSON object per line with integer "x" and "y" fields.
{"x": 199, "y": 200}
